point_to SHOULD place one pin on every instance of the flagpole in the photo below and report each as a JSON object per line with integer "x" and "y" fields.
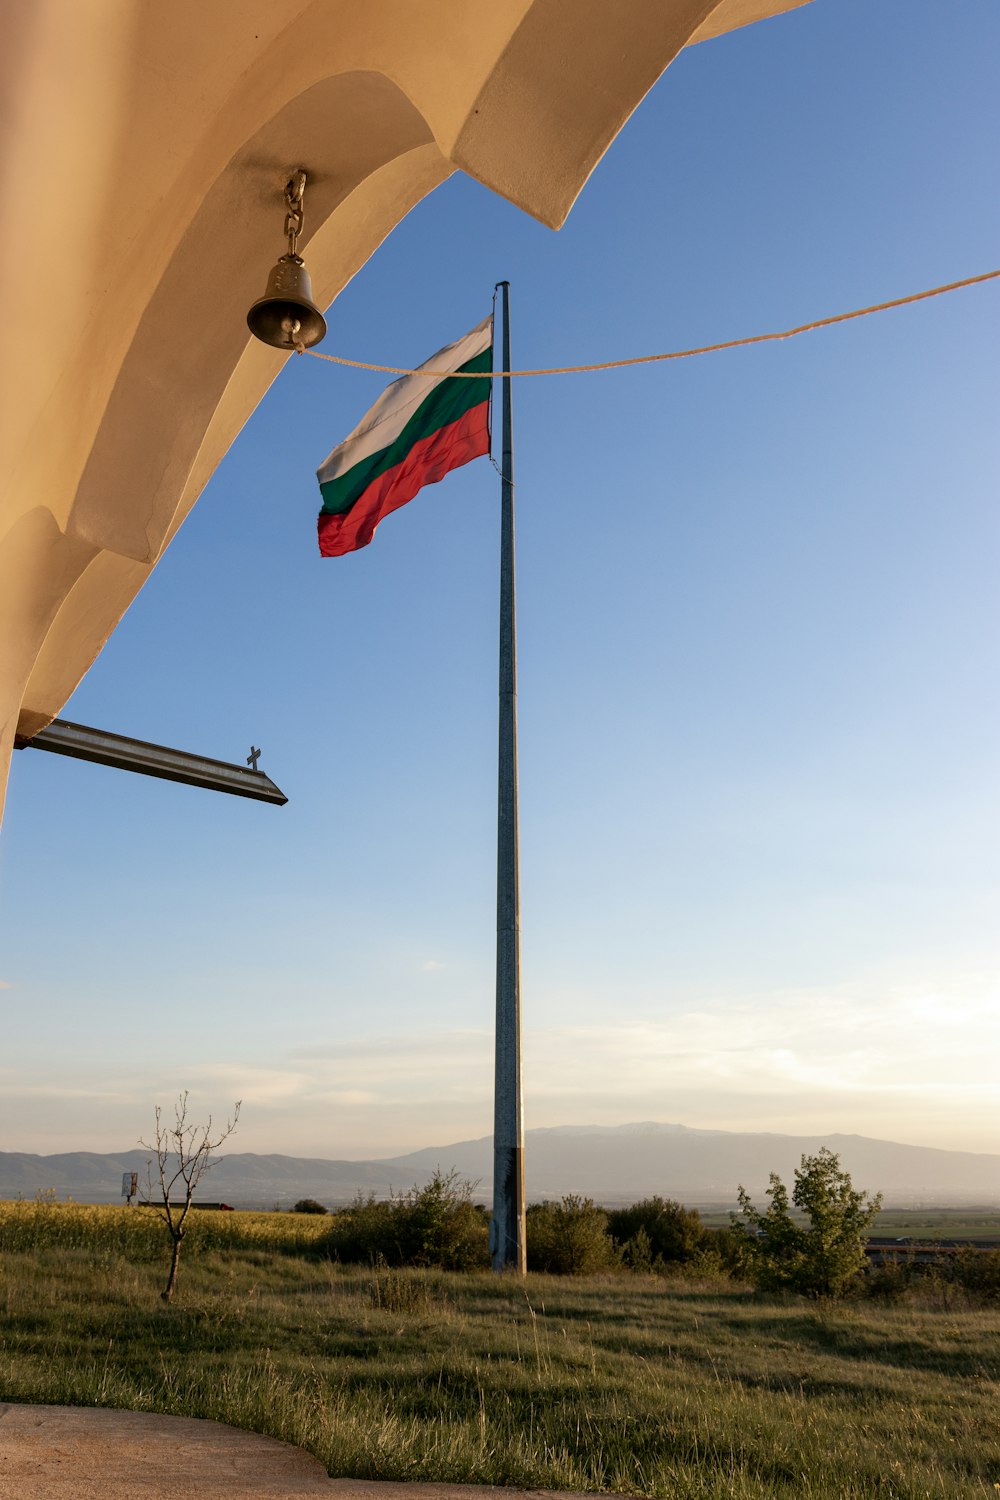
{"x": 507, "y": 1240}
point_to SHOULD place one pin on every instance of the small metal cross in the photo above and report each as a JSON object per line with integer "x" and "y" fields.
{"x": 253, "y": 757}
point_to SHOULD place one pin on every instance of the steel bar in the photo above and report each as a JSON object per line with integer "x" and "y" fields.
{"x": 83, "y": 743}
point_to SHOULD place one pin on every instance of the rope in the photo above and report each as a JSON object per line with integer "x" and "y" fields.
{"x": 649, "y": 359}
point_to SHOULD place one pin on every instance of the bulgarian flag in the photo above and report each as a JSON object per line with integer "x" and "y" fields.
{"x": 419, "y": 428}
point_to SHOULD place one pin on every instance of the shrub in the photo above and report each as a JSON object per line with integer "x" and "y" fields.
{"x": 727, "y": 1244}
{"x": 436, "y": 1225}
{"x": 889, "y": 1281}
{"x": 364, "y": 1233}
{"x": 978, "y": 1271}
{"x": 637, "y": 1252}
{"x": 657, "y": 1230}
{"x": 443, "y": 1227}
{"x": 309, "y": 1206}
{"x": 569, "y": 1238}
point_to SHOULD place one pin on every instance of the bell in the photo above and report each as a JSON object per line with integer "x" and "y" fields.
{"x": 286, "y": 316}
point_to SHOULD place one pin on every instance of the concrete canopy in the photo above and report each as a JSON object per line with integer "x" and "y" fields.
{"x": 140, "y": 137}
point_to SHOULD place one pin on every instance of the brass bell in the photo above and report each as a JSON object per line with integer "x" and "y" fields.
{"x": 286, "y": 317}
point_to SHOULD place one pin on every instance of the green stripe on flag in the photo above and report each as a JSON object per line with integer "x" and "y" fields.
{"x": 446, "y": 403}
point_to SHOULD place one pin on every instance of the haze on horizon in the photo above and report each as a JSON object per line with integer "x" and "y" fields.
{"x": 758, "y": 620}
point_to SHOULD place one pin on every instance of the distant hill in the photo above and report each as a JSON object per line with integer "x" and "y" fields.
{"x": 618, "y": 1164}
{"x": 612, "y": 1164}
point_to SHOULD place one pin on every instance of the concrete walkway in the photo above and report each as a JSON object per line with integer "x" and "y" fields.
{"x": 89, "y": 1453}
{"x": 78, "y": 1452}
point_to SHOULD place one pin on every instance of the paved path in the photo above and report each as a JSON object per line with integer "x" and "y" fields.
{"x": 77, "y": 1452}
{"x": 89, "y": 1453}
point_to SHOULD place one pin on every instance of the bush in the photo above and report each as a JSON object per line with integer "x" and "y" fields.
{"x": 443, "y": 1227}
{"x": 436, "y": 1225}
{"x": 636, "y": 1253}
{"x": 656, "y": 1232}
{"x": 569, "y": 1238}
{"x": 727, "y": 1244}
{"x": 364, "y": 1234}
{"x": 888, "y": 1282}
{"x": 309, "y": 1206}
{"x": 978, "y": 1271}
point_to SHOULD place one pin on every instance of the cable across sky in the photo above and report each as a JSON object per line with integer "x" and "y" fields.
{"x": 649, "y": 359}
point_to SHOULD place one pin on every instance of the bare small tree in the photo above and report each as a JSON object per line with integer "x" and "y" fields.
{"x": 182, "y": 1153}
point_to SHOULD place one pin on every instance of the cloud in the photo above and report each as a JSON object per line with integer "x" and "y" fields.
{"x": 431, "y": 965}
{"x": 903, "y": 1057}
{"x": 5, "y": 984}
{"x": 400, "y": 1053}
{"x": 57, "y": 1091}
{"x": 843, "y": 1041}
{"x": 252, "y": 1084}
{"x": 868, "y": 1058}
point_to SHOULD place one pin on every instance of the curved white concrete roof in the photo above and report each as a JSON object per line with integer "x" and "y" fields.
{"x": 144, "y": 151}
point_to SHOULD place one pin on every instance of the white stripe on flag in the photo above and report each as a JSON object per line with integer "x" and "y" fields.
{"x": 385, "y": 421}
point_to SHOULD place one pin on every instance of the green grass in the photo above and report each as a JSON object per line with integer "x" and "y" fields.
{"x": 939, "y": 1223}
{"x": 619, "y": 1383}
{"x": 918, "y": 1223}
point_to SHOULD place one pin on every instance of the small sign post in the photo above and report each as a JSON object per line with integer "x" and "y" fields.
{"x": 130, "y": 1186}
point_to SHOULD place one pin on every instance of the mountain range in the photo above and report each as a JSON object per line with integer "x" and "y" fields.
{"x": 611, "y": 1164}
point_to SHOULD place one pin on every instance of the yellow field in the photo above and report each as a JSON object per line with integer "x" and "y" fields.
{"x": 138, "y": 1234}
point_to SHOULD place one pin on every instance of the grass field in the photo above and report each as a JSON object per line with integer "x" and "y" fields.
{"x": 939, "y": 1223}
{"x": 931, "y": 1224}
{"x": 620, "y": 1383}
{"x": 137, "y": 1234}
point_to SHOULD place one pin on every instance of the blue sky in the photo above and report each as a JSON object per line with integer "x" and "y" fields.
{"x": 758, "y": 625}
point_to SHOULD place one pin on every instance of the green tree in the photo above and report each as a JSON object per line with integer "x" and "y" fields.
{"x": 820, "y": 1249}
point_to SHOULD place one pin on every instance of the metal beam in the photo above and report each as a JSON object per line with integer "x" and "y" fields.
{"x": 63, "y": 738}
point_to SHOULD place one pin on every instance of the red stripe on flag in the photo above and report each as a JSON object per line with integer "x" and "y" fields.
{"x": 428, "y": 460}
